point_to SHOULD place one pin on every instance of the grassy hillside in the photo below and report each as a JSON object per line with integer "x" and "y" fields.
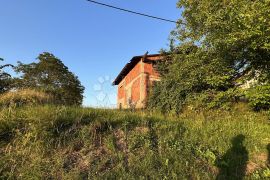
{"x": 77, "y": 143}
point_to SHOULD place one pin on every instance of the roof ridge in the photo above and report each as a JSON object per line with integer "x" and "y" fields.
{"x": 129, "y": 66}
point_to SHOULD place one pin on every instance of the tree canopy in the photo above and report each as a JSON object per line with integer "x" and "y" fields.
{"x": 237, "y": 30}
{"x": 220, "y": 41}
{"x": 50, "y": 75}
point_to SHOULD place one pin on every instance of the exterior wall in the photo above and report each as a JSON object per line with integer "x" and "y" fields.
{"x": 129, "y": 88}
{"x": 149, "y": 69}
{"x": 121, "y": 95}
{"x": 121, "y": 92}
{"x": 135, "y": 90}
{"x": 135, "y": 72}
{"x": 134, "y": 87}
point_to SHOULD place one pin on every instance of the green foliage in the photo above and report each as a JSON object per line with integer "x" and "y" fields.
{"x": 266, "y": 173}
{"x": 238, "y": 31}
{"x": 191, "y": 71}
{"x": 259, "y": 97}
{"x": 212, "y": 99}
{"x": 44, "y": 142}
{"x": 5, "y": 78}
{"x": 220, "y": 42}
{"x": 53, "y": 77}
{"x": 225, "y": 99}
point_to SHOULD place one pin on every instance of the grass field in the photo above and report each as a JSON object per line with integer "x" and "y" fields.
{"x": 50, "y": 142}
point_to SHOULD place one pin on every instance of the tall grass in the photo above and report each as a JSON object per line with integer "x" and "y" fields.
{"x": 57, "y": 142}
{"x": 24, "y": 97}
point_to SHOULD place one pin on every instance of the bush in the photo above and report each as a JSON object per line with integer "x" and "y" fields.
{"x": 212, "y": 99}
{"x": 225, "y": 99}
{"x": 259, "y": 97}
{"x": 24, "y": 97}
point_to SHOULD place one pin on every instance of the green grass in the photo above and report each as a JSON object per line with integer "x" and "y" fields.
{"x": 50, "y": 142}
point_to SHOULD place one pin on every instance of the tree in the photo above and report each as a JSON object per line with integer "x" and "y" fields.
{"x": 238, "y": 31}
{"x": 185, "y": 72}
{"x": 53, "y": 77}
{"x": 220, "y": 41}
{"x": 5, "y": 78}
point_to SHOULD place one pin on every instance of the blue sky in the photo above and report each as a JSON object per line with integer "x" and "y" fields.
{"x": 94, "y": 42}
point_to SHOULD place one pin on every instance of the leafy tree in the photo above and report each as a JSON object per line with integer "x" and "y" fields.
{"x": 220, "y": 41}
{"x": 5, "y": 78}
{"x": 51, "y": 76}
{"x": 187, "y": 71}
{"x": 237, "y": 30}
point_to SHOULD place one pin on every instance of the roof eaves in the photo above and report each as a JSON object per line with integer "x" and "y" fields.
{"x": 129, "y": 66}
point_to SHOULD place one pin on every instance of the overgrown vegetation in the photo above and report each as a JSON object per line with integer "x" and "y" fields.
{"x": 224, "y": 48}
{"x": 259, "y": 97}
{"x": 75, "y": 143}
{"x": 24, "y": 97}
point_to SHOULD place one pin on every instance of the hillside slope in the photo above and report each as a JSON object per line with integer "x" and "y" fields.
{"x": 78, "y": 143}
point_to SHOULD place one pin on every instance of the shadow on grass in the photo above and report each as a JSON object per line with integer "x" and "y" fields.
{"x": 234, "y": 162}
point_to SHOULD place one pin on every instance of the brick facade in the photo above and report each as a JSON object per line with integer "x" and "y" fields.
{"x": 134, "y": 80}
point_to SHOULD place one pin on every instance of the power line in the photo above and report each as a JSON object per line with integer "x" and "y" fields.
{"x": 133, "y": 12}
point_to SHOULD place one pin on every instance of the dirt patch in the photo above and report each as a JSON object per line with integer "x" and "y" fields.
{"x": 71, "y": 161}
{"x": 261, "y": 157}
{"x": 121, "y": 145}
{"x": 251, "y": 167}
{"x": 260, "y": 161}
{"x": 108, "y": 165}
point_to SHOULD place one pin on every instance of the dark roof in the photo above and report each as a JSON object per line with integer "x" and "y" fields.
{"x": 130, "y": 66}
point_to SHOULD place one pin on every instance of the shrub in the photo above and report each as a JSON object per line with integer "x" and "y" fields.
{"x": 225, "y": 99}
{"x": 24, "y": 97}
{"x": 212, "y": 99}
{"x": 259, "y": 97}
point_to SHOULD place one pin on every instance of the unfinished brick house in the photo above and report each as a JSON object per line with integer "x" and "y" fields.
{"x": 135, "y": 79}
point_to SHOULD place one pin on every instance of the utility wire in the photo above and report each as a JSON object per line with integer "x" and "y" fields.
{"x": 133, "y": 12}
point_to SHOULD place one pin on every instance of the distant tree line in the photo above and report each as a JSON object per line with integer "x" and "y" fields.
{"x": 221, "y": 45}
{"x": 49, "y": 75}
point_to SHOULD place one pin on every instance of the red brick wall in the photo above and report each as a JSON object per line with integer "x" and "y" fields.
{"x": 121, "y": 92}
{"x": 133, "y": 73}
{"x": 135, "y": 90}
{"x": 149, "y": 69}
{"x": 136, "y": 85}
